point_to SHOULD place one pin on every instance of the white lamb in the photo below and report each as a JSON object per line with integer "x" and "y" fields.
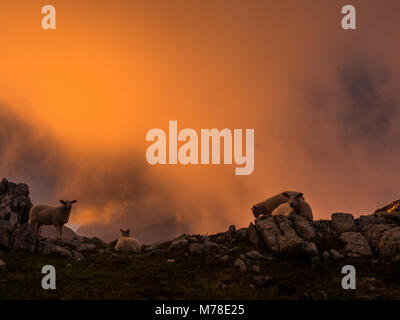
{"x": 266, "y": 207}
{"x": 295, "y": 204}
{"x": 127, "y": 243}
{"x": 51, "y": 215}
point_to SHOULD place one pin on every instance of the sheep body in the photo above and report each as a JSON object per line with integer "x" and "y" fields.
{"x": 295, "y": 205}
{"x": 128, "y": 244}
{"x": 283, "y": 209}
{"x": 267, "y": 206}
{"x": 51, "y": 215}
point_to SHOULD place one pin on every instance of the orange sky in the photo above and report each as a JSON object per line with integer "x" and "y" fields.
{"x": 115, "y": 69}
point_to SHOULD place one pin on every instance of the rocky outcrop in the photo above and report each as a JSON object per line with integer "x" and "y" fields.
{"x": 15, "y": 202}
{"x": 267, "y": 238}
{"x": 17, "y": 234}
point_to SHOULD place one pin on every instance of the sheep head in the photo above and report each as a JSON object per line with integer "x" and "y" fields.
{"x": 68, "y": 204}
{"x": 125, "y": 233}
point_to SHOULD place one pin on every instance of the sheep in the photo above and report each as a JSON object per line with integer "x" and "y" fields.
{"x": 51, "y": 215}
{"x": 266, "y": 207}
{"x": 283, "y": 209}
{"x": 127, "y": 243}
{"x": 295, "y": 204}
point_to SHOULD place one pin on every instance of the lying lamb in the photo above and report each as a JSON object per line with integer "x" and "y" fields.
{"x": 266, "y": 207}
{"x": 51, "y": 215}
{"x": 127, "y": 243}
{"x": 295, "y": 204}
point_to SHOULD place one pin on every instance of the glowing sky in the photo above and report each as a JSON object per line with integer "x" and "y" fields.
{"x": 76, "y": 104}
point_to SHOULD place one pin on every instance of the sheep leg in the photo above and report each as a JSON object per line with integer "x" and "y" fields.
{"x": 37, "y": 227}
{"x": 58, "y": 231}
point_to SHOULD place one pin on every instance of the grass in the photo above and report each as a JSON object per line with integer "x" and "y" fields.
{"x": 139, "y": 276}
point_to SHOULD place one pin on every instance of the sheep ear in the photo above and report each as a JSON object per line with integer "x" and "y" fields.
{"x": 62, "y": 201}
{"x": 286, "y": 194}
{"x": 74, "y": 201}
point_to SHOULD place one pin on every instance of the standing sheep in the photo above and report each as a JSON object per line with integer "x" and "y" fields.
{"x": 51, "y": 215}
{"x": 127, "y": 243}
{"x": 266, "y": 207}
{"x": 297, "y": 204}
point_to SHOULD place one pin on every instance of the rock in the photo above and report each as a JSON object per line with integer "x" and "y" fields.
{"x": 50, "y": 232}
{"x": 356, "y": 243}
{"x": 170, "y": 260}
{"x": 256, "y": 269}
{"x": 253, "y": 235}
{"x": 198, "y": 248}
{"x": 288, "y": 241}
{"x": 335, "y": 254}
{"x": 254, "y": 254}
{"x": 310, "y": 249}
{"x": 343, "y": 222}
{"x": 269, "y": 232}
{"x": 25, "y": 238}
{"x": 6, "y": 230}
{"x": 221, "y": 285}
{"x": 77, "y": 256}
{"x": 2, "y": 264}
{"x": 324, "y": 228}
{"x": 48, "y": 248}
{"x": 326, "y": 255}
{"x": 259, "y": 280}
{"x": 81, "y": 247}
{"x": 243, "y": 233}
{"x": 240, "y": 264}
{"x": 389, "y": 244}
{"x": 365, "y": 221}
{"x": 374, "y": 232}
{"x": 224, "y": 258}
{"x": 181, "y": 244}
{"x": 302, "y": 226}
{"x": 268, "y": 279}
{"x": 252, "y": 286}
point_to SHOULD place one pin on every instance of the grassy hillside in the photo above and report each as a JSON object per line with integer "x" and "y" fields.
{"x": 140, "y": 276}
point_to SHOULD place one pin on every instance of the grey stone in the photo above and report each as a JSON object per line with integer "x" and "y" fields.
{"x": 336, "y": 255}
{"x": 310, "y": 249}
{"x": 302, "y": 226}
{"x": 180, "y": 244}
{"x": 343, "y": 222}
{"x": 356, "y": 243}
{"x": 389, "y": 244}
{"x": 6, "y": 230}
{"x": 240, "y": 264}
{"x": 254, "y": 254}
{"x": 25, "y": 238}
{"x": 48, "y": 248}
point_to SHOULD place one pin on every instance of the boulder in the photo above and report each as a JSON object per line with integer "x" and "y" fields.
{"x": 310, "y": 249}
{"x": 2, "y": 264}
{"x": 6, "y": 230}
{"x": 356, "y": 244}
{"x": 288, "y": 241}
{"x": 269, "y": 232}
{"x": 302, "y": 226}
{"x": 198, "y": 248}
{"x": 25, "y": 238}
{"x": 389, "y": 244}
{"x": 180, "y": 244}
{"x": 254, "y": 254}
{"x": 240, "y": 264}
{"x": 366, "y": 221}
{"x": 374, "y": 232}
{"x": 335, "y": 254}
{"x": 343, "y": 222}
{"x": 47, "y": 248}
{"x": 323, "y": 228}
{"x": 253, "y": 235}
